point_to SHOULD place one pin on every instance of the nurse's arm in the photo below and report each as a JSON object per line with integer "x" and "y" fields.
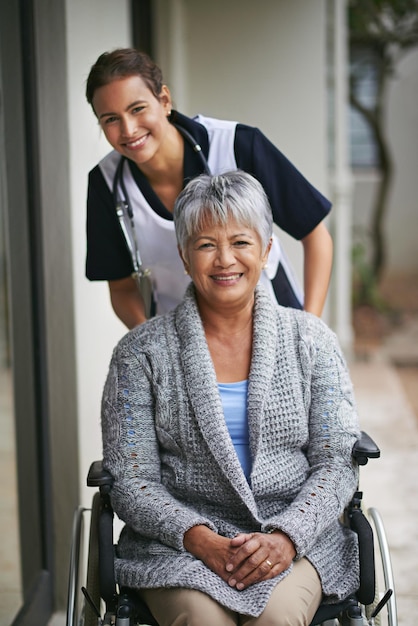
{"x": 127, "y": 302}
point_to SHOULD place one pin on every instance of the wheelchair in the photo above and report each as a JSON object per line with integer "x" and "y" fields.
{"x": 94, "y": 598}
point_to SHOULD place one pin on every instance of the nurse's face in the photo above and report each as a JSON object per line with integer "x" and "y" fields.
{"x": 225, "y": 263}
{"x": 133, "y": 119}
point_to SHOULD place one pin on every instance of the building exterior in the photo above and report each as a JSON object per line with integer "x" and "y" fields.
{"x": 271, "y": 65}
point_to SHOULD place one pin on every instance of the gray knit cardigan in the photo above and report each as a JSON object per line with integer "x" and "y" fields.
{"x": 168, "y": 448}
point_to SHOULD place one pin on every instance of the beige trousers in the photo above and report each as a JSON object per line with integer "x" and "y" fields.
{"x": 293, "y": 602}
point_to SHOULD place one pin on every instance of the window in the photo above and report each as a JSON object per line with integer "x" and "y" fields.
{"x": 363, "y": 70}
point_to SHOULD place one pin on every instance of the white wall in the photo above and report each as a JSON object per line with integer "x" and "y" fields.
{"x": 92, "y": 27}
{"x": 402, "y": 223}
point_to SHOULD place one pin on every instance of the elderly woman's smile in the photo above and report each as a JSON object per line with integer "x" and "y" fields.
{"x": 226, "y": 278}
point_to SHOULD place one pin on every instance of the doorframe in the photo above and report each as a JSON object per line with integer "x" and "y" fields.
{"x": 35, "y": 123}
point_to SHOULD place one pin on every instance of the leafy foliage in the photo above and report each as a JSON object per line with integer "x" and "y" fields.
{"x": 383, "y": 23}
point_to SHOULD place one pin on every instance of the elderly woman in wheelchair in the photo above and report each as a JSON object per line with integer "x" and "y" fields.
{"x": 228, "y": 428}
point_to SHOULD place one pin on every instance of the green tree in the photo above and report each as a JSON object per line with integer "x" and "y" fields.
{"x": 385, "y": 30}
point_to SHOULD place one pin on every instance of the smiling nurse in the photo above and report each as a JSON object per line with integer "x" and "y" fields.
{"x": 162, "y": 150}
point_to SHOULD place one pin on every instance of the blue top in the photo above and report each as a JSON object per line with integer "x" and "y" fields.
{"x": 234, "y": 403}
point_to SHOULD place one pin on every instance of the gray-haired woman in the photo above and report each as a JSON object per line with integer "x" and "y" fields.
{"x": 228, "y": 426}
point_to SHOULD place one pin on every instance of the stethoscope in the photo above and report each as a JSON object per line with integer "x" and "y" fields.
{"x": 123, "y": 206}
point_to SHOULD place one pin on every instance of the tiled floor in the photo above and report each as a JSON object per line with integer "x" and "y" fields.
{"x": 390, "y": 483}
{"x": 58, "y": 620}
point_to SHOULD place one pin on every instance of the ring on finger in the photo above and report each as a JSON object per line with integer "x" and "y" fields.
{"x": 269, "y": 563}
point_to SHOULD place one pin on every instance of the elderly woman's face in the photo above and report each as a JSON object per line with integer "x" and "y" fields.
{"x": 225, "y": 263}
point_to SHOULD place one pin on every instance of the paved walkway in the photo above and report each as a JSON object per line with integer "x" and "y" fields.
{"x": 390, "y": 483}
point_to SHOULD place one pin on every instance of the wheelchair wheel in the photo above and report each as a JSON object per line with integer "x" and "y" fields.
{"x": 93, "y": 580}
{"x": 75, "y": 601}
{"x": 384, "y": 574}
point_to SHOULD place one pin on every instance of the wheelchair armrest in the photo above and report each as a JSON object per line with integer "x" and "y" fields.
{"x": 98, "y": 476}
{"x": 365, "y": 449}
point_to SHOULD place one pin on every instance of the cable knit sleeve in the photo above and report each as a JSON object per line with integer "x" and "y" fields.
{"x": 333, "y": 430}
{"x": 132, "y": 395}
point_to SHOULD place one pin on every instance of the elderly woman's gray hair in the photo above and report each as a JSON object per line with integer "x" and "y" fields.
{"x": 232, "y": 195}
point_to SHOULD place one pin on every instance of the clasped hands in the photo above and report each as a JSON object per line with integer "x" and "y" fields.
{"x": 243, "y": 560}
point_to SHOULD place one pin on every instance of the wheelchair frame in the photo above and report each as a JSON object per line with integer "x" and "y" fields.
{"x": 123, "y": 607}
